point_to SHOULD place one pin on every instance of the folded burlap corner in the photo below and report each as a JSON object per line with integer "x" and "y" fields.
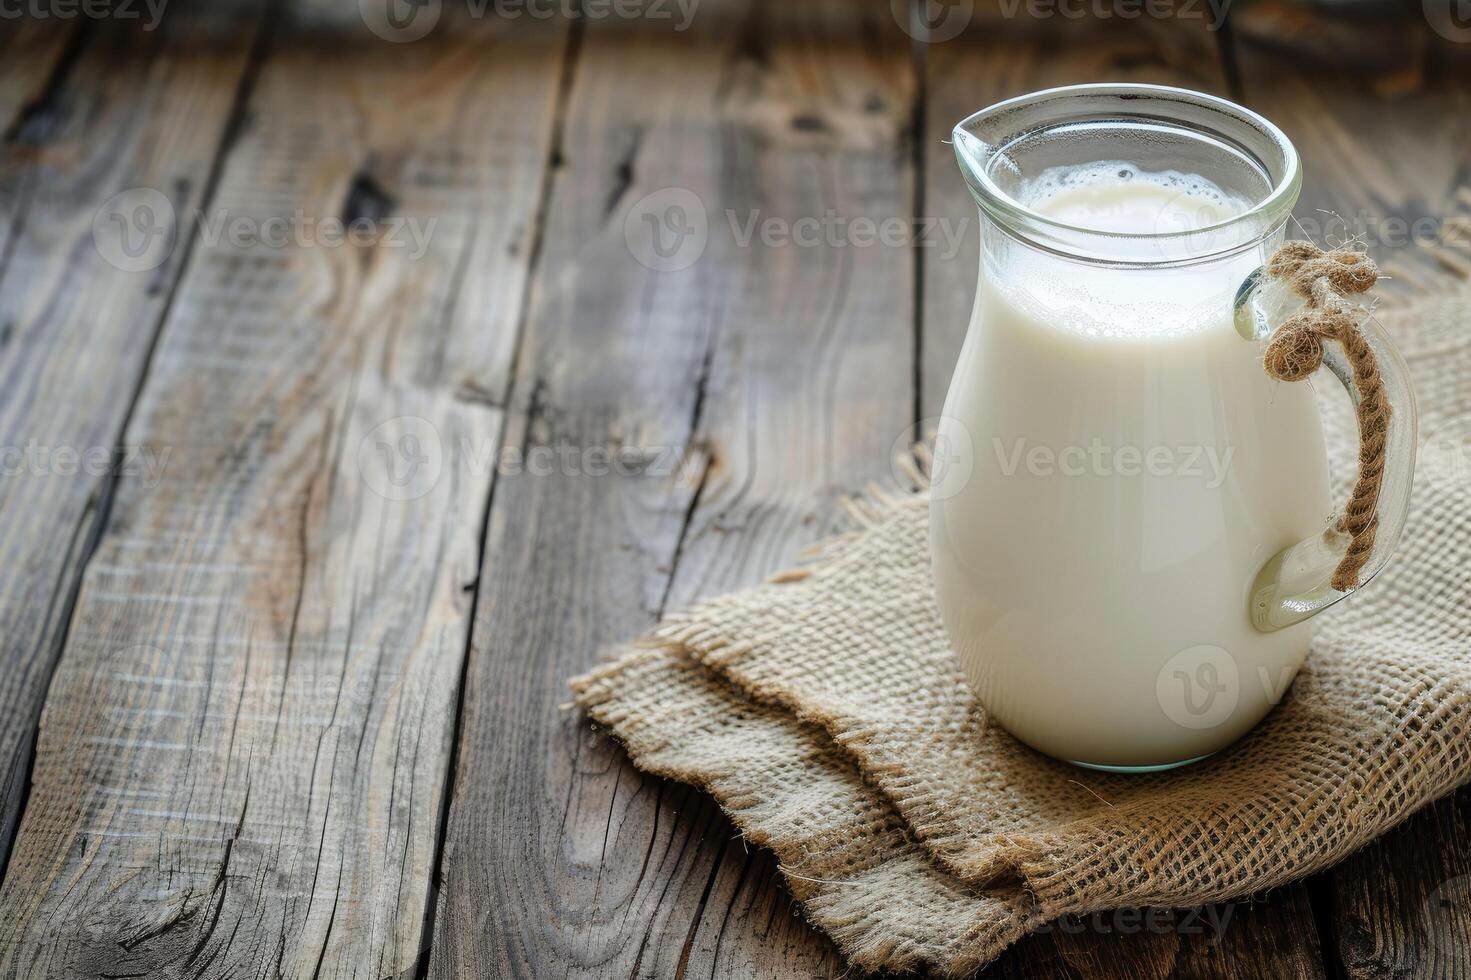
{"x": 826, "y": 714}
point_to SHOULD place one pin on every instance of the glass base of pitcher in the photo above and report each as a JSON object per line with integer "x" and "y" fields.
{"x": 1140, "y": 769}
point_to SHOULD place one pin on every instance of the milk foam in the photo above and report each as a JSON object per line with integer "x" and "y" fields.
{"x": 1137, "y": 206}
{"x": 1120, "y": 198}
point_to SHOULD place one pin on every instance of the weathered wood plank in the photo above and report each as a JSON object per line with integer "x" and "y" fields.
{"x": 811, "y": 387}
{"x": 131, "y": 109}
{"x": 243, "y": 756}
{"x": 574, "y": 561}
{"x": 1401, "y": 907}
{"x": 780, "y": 374}
{"x": 1002, "y": 59}
{"x": 1382, "y": 130}
{"x": 1386, "y": 152}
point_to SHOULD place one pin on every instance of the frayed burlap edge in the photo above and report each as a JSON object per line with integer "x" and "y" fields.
{"x": 865, "y": 882}
{"x": 1034, "y": 860}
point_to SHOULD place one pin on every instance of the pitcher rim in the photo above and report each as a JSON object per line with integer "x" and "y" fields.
{"x": 1255, "y": 223}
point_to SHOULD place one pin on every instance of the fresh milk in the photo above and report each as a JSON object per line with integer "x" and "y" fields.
{"x": 1113, "y": 469}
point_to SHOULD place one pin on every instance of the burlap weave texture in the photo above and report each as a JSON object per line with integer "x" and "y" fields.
{"x": 826, "y": 714}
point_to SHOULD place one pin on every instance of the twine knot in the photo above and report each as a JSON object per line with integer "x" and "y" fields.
{"x": 1295, "y": 351}
{"x": 1303, "y": 264}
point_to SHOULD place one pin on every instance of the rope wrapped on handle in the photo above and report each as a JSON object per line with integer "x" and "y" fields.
{"x": 1295, "y": 351}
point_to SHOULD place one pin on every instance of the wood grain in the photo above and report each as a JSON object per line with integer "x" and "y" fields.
{"x": 549, "y": 868}
{"x": 780, "y": 374}
{"x": 244, "y": 752}
{"x": 128, "y": 109}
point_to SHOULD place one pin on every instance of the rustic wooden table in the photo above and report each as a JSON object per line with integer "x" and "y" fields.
{"x": 302, "y": 537}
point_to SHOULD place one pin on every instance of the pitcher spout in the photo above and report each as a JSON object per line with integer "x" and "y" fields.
{"x": 973, "y": 154}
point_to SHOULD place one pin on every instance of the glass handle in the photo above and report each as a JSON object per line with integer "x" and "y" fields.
{"x": 1296, "y": 582}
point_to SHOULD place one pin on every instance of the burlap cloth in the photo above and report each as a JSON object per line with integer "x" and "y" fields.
{"x": 825, "y": 713}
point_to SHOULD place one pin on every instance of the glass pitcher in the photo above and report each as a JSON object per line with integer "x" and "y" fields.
{"x": 1130, "y": 520}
